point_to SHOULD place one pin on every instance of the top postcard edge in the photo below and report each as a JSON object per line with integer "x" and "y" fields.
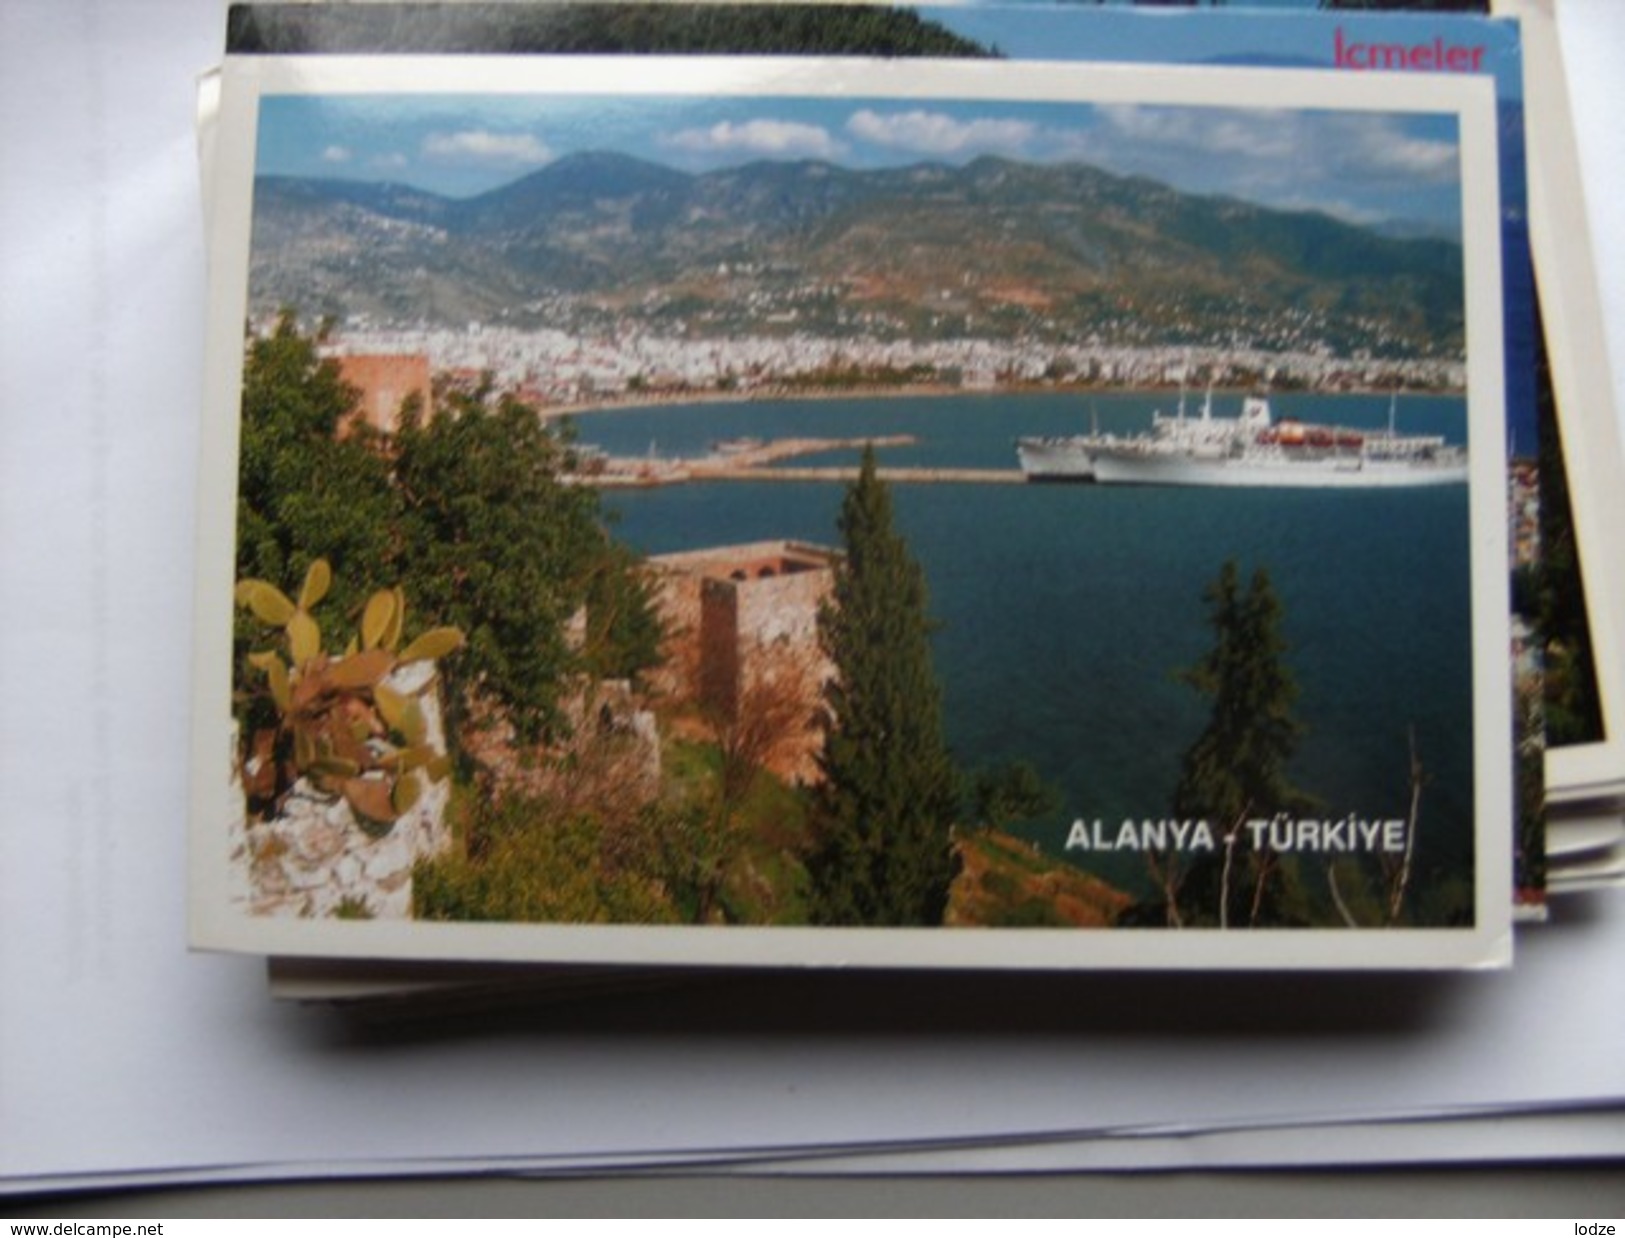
{"x": 1272, "y": 88}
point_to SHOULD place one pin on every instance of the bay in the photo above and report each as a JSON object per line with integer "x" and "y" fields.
{"x": 1065, "y": 613}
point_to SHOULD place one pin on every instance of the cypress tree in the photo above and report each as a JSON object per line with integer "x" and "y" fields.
{"x": 890, "y": 790}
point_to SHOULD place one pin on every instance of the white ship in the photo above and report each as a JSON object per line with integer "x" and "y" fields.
{"x": 1255, "y": 450}
{"x": 1062, "y": 457}
{"x": 1071, "y": 457}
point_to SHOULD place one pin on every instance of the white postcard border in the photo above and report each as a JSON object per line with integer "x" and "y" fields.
{"x": 216, "y": 924}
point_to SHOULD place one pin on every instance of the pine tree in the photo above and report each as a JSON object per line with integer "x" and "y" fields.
{"x": 890, "y": 789}
{"x": 1237, "y": 768}
{"x": 1239, "y": 761}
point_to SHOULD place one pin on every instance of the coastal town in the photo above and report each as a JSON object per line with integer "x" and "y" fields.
{"x": 560, "y": 371}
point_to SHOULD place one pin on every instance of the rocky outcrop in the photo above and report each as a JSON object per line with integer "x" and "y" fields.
{"x": 606, "y": 757}
{"x": 316, "y": 859}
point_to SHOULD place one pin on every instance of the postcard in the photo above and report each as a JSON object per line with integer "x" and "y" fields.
{"x": 637, "y": 556}
{"x": 1552, "y": 620}
{"x": 1586, "y": 761}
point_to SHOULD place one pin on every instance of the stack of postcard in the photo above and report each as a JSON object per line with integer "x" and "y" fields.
{"x": 1585, "y": 837}
{"x": 1006, "y": 486}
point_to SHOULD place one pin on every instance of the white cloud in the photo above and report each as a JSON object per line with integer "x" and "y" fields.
{"x": 337, "y": 154}
{"x": 1281, "y": 145}
{"x": 392, "y": 161}
{"x": 1359, "y": 167}
{"x": 1258, "y": 136}
{"x": 936, "y": 133}
{"x": 768, "y": 138}
{"x": 484, "y": 146}
{"x": 1375, "y": 146}
{"x": 1363, "y": 216}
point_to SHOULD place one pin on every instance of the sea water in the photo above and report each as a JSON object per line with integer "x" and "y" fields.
{"x": 1066, "y": 613}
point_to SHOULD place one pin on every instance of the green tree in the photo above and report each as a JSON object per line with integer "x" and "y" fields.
{"x": 528, "y": 863}
{"x": 623, "y": 631}
{"x": 778, "y": 29}
{"x": 304, "y": 492}
{"x": 498, "y": 544}
{"x": 467, "y": 511}
{"x": 1239, "y": 761}
{"x": 890, "y": 791}
{"x": 1003, "y": 794}
{"x": 1237, "y": 768}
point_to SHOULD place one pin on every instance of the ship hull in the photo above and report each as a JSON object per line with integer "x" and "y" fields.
{"x": 1060, "y": 459}
{"x": 1251, "y": 450}
{"x": 1170, "y": 469}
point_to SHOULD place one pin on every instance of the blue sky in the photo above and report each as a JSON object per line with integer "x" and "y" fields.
{"x": 1364, "y": 167}
{"x": 1230, "y": 36}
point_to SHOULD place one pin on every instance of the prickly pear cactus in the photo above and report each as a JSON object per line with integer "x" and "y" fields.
{"x": 341, "y": 725}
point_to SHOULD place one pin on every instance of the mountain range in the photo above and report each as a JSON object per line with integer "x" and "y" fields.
{"x": 995, "y": 248}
